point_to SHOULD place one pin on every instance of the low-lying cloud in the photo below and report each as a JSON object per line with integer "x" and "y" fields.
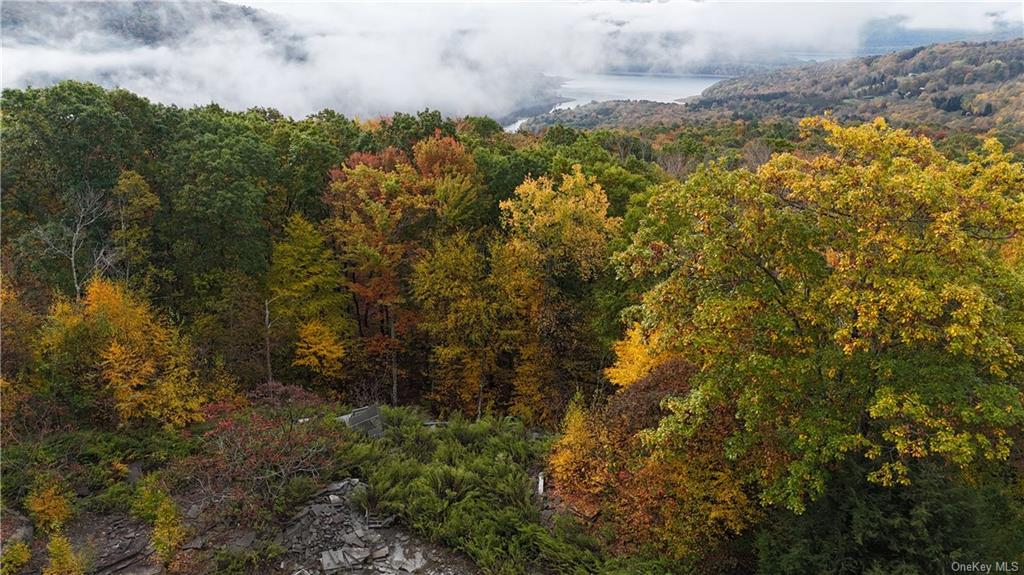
{"x": 483, "y": 58}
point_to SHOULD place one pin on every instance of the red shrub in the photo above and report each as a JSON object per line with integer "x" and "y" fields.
{"x": 249, "y": 458}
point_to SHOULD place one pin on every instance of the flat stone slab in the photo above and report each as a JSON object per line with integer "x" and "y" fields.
{"x": 366, "y": 419}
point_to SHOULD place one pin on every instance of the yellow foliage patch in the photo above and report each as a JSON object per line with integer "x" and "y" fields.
{"x": 49, "y": 505}
{"x": 140, "y": 359}
{"x": 635, "y": 356}
{"x": 319, "y": 348}
{"x": 62, "y": 558}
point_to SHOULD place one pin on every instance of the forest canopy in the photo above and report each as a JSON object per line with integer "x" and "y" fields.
{"x": 747, "y": 345}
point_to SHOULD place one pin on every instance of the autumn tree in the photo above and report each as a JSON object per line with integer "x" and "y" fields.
{"x": 402, "y": 131}
{"x": 375, "y": 224}
{"x": 463, "y": 315}
{"x": 307, "y": 295}
{"x": 860, "y": 301}
{"x": 112, "y": 349}
{"x": 462, "y": 202}
{"x": 18, "y": 324}
{"x": 635, "y": 356}
{"x": 691, "y": 509}
{"x": 135, "y": 207}
{"x": 567, "y": 222}
{"x": 534, "y": 390}
{"x": 556, "y": 246}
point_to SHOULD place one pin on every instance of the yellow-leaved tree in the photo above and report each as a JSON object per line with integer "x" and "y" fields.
{"x": 113, "y": 349}
{"x": 463, "y": 316}
{"x": 319, "y": 348}
{"x": 568, "y": 222}
{"x": 308, "y": 299}
{"x": 555, "y": 248}
{"x": 864, "y": 302}
{"x": 635, "y": 356}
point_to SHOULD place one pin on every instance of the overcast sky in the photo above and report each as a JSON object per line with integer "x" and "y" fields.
{"x": 366, "y": 59}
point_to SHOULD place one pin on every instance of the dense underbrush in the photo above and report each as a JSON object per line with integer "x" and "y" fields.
{"x": 469, "y": 485}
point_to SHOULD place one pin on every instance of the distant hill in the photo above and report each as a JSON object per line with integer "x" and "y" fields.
{"x": 961, "y": 85}
{"x": 94, "y": 25}
{"x": 892, "y": 33}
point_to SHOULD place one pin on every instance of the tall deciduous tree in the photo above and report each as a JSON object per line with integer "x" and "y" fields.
{"x": 135, "y": 207}
{"x": 375, "y": 223}
{"x": 450, "y": 172}
{"x": 307, "y": 294}
{"x": 463, "y": 314}
{"x": 77, "y": 237}
{"x": 568, "y": 222}
{"x": 557, "y": 245}
{"x": 861, "y": 301}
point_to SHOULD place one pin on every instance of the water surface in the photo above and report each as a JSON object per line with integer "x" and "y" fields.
{"x": 587, "y": 88}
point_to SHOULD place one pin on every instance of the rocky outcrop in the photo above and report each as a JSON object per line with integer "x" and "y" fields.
{"x": 330, "y": 536}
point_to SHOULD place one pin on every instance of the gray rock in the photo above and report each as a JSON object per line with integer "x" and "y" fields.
{"x": 397, "y": 558}
{"x": 358, "y": 554}
{"x": 415, "y": 563}
{"x": 366, "y": 419}
{"x": 142, "y": 570}
{"x": 242, "y": 541}
{"x": 196, "y": 543}
{"x": 322, "y": 510}
{"x": 134, "y": 472}
{"x": 193, "y": 511}
{"x": 377, "y": 522}
{"x": 332, "y": 561}
{"x": 23, "y": 530}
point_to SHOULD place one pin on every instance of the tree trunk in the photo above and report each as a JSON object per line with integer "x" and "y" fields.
{"x": 394, "y": 359}
{"x": 74, "y": 265}
{"x": 266, "y": 338}
{"x": 480, "y": 399}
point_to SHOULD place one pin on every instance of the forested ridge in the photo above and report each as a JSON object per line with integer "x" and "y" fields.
{"x": 733, "y": 346}
{"x": 957, "y": 86}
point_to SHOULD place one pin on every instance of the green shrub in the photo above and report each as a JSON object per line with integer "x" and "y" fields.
{"x": 148, "y": 497}
{"x": 95, "y": 460}
{"x": 365, "y": 498}
{"x": 259, "y": 559}
{"x": 468, "y": 485}
{"x": 917, "y": 528}
{"x": 296, "y": 490}
{"x": 13, "y": 557}
{"x": 155, "y": 506}
{"x": 168, "y": 531}
{"x": 117, "y": 498}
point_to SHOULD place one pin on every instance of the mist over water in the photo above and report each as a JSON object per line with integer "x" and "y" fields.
{"x": 588, "y": 88}
{"x": 490, "y": 58}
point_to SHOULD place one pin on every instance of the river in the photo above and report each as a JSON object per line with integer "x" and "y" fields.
{"x": 584, "y": 89}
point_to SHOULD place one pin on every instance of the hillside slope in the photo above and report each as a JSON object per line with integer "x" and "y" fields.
{"x": 961, "y": 85}
{"x": 133, "y": 21}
